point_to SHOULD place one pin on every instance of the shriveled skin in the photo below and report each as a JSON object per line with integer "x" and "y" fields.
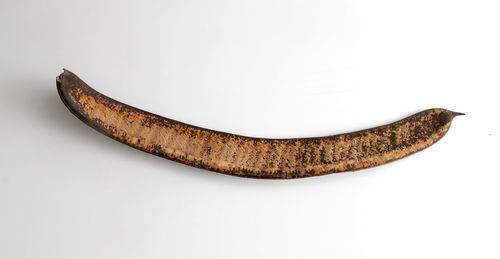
{"x": 247, "y": 156}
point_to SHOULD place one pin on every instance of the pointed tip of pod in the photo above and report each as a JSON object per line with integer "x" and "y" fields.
{"x": 453, "y": 114}
{"x": 446, "y": 116}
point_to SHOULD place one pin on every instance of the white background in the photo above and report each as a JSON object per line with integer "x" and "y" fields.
{"x": 263, "y": 68}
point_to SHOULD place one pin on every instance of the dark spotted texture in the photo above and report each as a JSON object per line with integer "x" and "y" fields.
{"x": 246, "y": 156}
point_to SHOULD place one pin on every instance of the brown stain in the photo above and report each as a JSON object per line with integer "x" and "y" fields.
{"x": 247, "y": 156}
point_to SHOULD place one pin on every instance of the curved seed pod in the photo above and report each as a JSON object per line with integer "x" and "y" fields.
{"x": 247, "y": 156}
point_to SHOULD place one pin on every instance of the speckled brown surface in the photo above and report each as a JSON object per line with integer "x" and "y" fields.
{"x": 247, "y": 156}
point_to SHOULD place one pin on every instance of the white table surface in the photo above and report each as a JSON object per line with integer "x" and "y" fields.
{"x": 263, "y": 68}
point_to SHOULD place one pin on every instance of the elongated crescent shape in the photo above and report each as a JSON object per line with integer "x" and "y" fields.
{"x": 247, "y": 156}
